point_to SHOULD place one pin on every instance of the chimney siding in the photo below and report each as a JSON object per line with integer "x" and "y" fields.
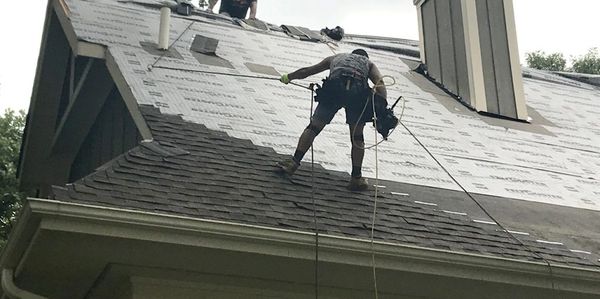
{"x": 470, "y": 47}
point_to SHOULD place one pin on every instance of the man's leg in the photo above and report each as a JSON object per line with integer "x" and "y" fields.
{"x": 321, "y": 117}
{"x": 358, "y": 148}
{"x": 308, "y": 136}
{"x": 357, "y": 182}
{"x": 290, "y": 165}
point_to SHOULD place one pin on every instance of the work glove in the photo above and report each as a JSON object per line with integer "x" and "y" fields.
{"x": 285, "y": 79}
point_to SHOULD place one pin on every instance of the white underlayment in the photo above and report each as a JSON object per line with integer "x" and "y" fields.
{"x": 561, "y": 169}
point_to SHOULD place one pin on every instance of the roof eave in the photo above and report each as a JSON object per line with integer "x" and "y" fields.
{"x": 104, "y": 221}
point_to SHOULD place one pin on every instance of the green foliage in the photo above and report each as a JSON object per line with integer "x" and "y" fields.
{"x": 549, "y": 62}
{"x": 588, "y": 64}
{"x": 11, "y": 131}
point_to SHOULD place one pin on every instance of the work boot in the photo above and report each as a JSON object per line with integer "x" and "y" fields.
{"x": 358, "y": 184}
{"x": 287, "y": 166}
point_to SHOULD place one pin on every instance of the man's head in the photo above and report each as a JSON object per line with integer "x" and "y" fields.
{"x": 360, "y": 52}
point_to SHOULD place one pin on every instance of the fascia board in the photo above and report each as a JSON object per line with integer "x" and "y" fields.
{"x": 112, "y": 222}
{"x": 128, "y": 97}
{"x": 79, "y": 47}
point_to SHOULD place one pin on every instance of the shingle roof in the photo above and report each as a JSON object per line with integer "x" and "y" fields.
{"x": 221, "y": 119}
{"x": 194, "y": 171}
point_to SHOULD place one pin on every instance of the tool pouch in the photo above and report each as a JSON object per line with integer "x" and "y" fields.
{"x": 386, "y": 120}
{"x": 326, "y": 92}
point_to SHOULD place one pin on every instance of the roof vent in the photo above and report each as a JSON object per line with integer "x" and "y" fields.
{"x": 204, "y": 49}
{"x": 470, "y": 47}
{"x": 205, "y": 45}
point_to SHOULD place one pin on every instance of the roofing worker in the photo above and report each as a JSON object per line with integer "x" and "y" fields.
{"x": 235, "y": 8}
{"x": 347, "y": 86}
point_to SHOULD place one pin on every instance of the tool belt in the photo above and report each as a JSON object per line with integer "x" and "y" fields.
{"x": 343, "y": 91}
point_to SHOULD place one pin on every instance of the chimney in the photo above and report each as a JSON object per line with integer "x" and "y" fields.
{"x": 470, "y": 47}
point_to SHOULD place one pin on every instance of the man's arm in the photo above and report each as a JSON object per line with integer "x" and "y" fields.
{"x": 253, "y": 8}
{"x": 311, "y": 70}
{"x": 377, "y": 79}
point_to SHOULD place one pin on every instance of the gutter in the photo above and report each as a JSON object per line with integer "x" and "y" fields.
{"x": 145, "y": 226}
{"x": 12, "y": 291}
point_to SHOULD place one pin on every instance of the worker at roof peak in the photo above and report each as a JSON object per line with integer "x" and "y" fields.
{"x": 347, "y": 86}
{"x": 235, "y": 8}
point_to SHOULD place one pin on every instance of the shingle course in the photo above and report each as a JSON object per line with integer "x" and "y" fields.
{"x": 213, "y": 176}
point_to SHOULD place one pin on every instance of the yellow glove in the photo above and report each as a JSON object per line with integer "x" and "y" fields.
{"x": 285, "y": 79}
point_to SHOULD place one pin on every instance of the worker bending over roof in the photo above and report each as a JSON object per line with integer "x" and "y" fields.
{"x": 347, "y": 86}
{"x": 235, "y": 8}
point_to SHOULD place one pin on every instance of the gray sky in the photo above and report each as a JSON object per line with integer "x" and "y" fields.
{"x": 567, "y": 26}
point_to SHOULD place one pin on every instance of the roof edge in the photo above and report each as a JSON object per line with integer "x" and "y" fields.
{"x": 96, "y": 220}
{"x": 79, "y": 47}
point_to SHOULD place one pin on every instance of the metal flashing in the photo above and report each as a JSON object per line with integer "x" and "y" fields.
{"x": 152, "y": 49}
{"x": 262, "y": 69}
{"x": 212, "y": 60}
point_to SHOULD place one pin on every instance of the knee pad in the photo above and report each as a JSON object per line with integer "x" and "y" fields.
{"x": 311, "y": 127}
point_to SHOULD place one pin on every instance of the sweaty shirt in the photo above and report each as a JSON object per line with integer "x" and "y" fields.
{"x": 236, "y": 8}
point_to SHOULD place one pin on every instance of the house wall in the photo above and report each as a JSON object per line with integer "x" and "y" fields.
{"x": 112, "y": 134}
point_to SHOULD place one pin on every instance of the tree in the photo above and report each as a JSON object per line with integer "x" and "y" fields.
{"x": 588, "y": 63}
{"x": 549, "y": 62}
{"x": 11, "y": 131}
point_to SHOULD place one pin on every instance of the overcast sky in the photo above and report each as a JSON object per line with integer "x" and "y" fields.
{"x": 567, "y": 26}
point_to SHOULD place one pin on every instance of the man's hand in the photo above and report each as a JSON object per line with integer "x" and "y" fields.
{"x": 285, "y": 79}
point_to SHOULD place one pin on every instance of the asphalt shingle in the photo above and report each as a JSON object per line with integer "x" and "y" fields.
{"x": 193, "y": 171}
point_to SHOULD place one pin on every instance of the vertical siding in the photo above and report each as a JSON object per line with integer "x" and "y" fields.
{"x": 112, "y": 134}
{"x": 487, "y": 56}
{"x": 460, "y": 51}
{"x": 431, "y": 39}
{"x": 504, "y": 81}
{"x": 447, "y": 51}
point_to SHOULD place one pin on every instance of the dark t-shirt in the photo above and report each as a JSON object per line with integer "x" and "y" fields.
{"x": 236, "y": 8}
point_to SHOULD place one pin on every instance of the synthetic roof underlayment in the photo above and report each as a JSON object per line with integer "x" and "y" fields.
{"x": 554, "y": 161}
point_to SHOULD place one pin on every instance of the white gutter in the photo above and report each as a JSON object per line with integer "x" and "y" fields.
{"x": 12, "y": 291}
{"x": 145, "y": 226}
